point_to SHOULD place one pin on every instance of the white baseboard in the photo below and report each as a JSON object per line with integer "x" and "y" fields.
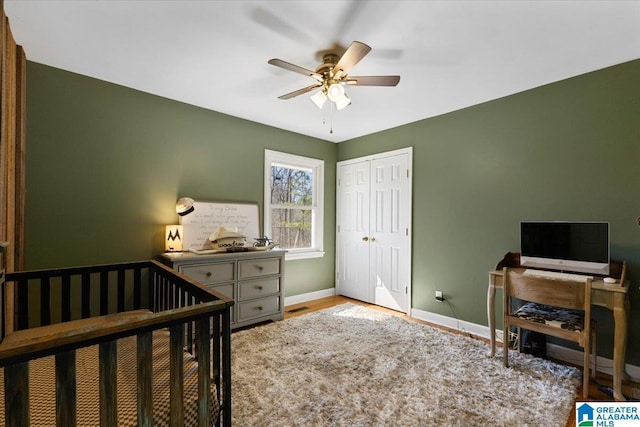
{"x": 297, "y": 299}
{"x": 569, "y": 355}
{"x": 450, "y": 322}
{"x": 604, "y": 365}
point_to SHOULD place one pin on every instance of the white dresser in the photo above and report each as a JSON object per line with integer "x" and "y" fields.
{"x": 253, "y": 279}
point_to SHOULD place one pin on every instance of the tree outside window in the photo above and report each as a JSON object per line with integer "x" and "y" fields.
{"x": 293, "y": 207}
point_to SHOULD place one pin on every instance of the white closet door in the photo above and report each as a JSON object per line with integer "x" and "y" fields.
{"x": 353, "y": 244}
{"x": 389, "y": 231}
{"x": 373, "y": 240}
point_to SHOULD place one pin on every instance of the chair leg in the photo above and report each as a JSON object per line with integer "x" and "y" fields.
{"x": 585, "y": 370}
{"x": 505, "y": 345}
{"x": 594, "y": 352}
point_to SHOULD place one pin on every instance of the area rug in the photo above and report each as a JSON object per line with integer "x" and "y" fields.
{"x": 354, "y": 366}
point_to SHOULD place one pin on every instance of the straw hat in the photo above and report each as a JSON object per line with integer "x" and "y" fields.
{"x": 227, "y": 237}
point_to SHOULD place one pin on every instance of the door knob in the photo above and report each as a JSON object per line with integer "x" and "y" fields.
{"x": 365, "y": 239}
{"x": 373, "y": 239}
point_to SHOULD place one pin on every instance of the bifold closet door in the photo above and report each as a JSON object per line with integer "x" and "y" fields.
{"x": 353, "y": 231}
{"x": 373, "y": 239}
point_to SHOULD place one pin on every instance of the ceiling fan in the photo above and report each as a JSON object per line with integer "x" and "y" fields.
{"x": 332, "y": 75}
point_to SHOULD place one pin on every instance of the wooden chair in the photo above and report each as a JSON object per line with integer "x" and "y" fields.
{"x": 560, "y": 308}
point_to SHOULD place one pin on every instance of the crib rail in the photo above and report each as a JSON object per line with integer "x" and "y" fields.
{"x": 113, "y": 302}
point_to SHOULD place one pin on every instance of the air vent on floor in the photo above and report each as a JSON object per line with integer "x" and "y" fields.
{"x": 295, "y": 310}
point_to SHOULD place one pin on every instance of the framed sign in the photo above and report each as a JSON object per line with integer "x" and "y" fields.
{"x": 208, "y": 217}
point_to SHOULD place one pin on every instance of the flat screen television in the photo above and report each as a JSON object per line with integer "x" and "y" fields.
{"x": 581, "y": 247}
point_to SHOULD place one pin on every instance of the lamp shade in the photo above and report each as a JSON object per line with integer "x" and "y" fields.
{"x": 319, "y": 98}
{"x": 173, "y": 238}
{"x": 184, "y": 206}
{"x": 335, "y": 92}
{"x": 342, "y": 102}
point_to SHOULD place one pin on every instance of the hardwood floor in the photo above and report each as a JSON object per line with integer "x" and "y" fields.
{"x": 595, "y": 394}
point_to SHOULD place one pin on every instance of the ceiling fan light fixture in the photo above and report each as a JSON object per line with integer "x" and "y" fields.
{"x": 319, "y": 98}
{"x": 342, "y": 102}
{"x": 335, "y": 92}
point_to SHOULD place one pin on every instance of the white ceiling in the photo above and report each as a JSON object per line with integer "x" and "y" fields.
{"x": 213, "y": 54}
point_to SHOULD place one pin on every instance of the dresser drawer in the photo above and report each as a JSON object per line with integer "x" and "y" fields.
{"x": 258, "y": 288}
{"x": 258, "y": 308}
{"x": 258, "y": 267}
{"x": 210, "y": 273}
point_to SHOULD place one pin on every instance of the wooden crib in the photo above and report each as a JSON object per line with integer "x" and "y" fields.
{"x": 165, "y": 319}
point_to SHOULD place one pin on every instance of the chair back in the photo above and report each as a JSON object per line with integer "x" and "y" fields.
{"x": 555, "y": 292}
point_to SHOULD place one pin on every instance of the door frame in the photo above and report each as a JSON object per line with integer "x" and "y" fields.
{"x": 409, "y": 152}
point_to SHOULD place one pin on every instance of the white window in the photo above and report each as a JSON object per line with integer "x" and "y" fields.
{"x": 293, "y": 203}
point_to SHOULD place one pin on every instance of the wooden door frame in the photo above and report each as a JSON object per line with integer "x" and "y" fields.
{"x": 12, "y": 144}
{"x": 12, "y": 159}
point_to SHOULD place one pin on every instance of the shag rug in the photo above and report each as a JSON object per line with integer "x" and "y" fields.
{"x": 354, "y": 366}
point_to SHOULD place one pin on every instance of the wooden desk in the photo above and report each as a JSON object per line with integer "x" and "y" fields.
{"x": 611, "y": 296}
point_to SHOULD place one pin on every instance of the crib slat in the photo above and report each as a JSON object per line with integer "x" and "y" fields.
{"x": 108, "y": 384}
{"x": 137, "y": 288}
{"x": 217, "y": 361}
{"x": 22, "y": 306}
{"x": 176, "y": 375}
{"x": 66, "y": 389}
{"x": 16, "y": 388}
{"x": 66, "y": 298}
{"x": 121, "y": 291}
{"x": 153, "y": 291}
{"x": 86, "y": 295}
{"x": 45, "y": 298}
{"x": 145, "y": 377}
{"x": 226, "y": 366}
{"x": 104, "y": 293}
{"x": 204, "y": 372}
{"x": 190, "y": 332}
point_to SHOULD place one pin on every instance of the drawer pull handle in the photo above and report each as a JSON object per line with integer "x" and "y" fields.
{"x": 259, "y": 267}
{"x": 209, "y": 274}
{"x": 259, "y": 287}
{"x": 259, "y": 307}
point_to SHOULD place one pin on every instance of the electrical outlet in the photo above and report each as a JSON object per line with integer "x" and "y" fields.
{"x": 439, "y": 296}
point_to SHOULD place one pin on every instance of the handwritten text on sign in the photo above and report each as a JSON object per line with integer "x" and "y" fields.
{"x": 208, "y": 217}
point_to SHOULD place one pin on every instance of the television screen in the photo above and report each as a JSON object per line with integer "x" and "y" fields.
{"x": 571, "y": 246}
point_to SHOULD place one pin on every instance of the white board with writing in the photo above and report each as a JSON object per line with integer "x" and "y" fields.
{"x": 208, "y": 217}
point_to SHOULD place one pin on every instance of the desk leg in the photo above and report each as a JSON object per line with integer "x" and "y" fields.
{"x": 620, "y": 312}
{"x": 491, "y": 316}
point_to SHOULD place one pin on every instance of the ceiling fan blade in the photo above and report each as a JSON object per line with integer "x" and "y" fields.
{"x": 295, "y": 68}
{"x": 298, "y": 92}
{"x": 373, "y": 80}
{"x": 351, "y": 57}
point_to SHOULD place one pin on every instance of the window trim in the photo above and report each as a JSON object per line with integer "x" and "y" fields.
{"x": 294, "y": 161}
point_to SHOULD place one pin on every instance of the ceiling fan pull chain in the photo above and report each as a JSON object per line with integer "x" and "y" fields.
{"x": 331, "y": 117}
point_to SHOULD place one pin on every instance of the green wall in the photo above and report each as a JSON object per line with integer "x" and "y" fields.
{"x": 105, "y": 165}
{"x": 565, "y": 151}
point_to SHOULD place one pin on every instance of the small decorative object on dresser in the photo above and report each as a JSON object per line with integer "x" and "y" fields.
{"x": 173, "y": 238}
{"x": 254, "y": 280}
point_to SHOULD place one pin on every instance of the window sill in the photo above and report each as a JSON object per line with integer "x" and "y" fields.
{"x": 291, "y": 256}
